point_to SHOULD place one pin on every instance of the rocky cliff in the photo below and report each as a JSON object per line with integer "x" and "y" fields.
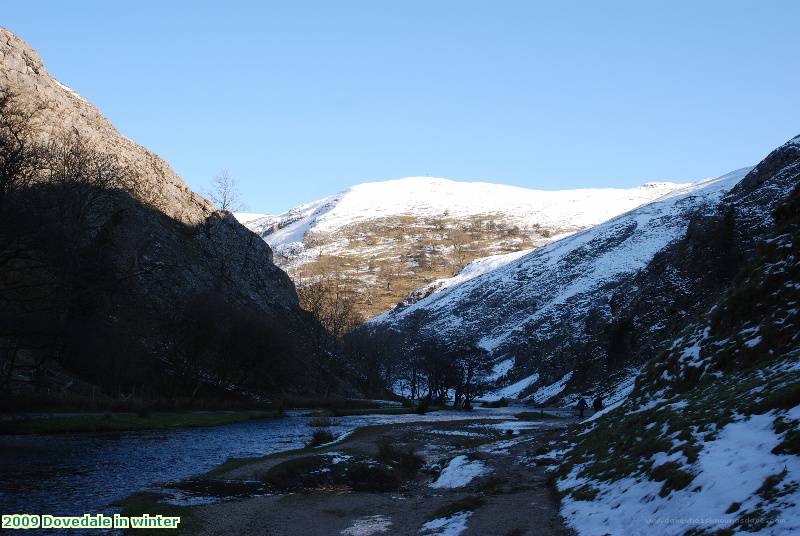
{"x": 114, "y": 274}
{"x": 67, "y": 112}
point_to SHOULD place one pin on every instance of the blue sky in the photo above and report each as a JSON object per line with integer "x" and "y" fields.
{"x": 301, "y": 99}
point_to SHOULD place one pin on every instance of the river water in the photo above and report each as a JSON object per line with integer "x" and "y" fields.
{"x": 73, "y": 474}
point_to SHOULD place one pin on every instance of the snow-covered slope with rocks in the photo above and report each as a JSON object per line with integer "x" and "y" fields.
{"x": 470, "y": 271}
{"x": 712, "y": 425}
{"x": 586, "y": 312}
{"x": 389, "y": 238}
{"x": 540, "y": 303}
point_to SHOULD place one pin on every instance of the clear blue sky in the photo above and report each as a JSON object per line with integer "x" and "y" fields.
{"x": 300, "y": 99}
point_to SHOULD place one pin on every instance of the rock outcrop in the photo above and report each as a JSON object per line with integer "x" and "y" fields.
{"x": 136, "y": 285}
{"x": 66, "y": 112}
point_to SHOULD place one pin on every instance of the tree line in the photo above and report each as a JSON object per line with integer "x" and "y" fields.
{"x": 420, "y": 365}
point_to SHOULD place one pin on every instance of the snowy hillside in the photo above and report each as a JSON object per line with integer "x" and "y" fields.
{"x": 386, "y": 239}
{"x": 436, "y": 197}
{"x": 539, "y": 302}
{"x": 713, "y": 424}
{"x": 470, "y": 271}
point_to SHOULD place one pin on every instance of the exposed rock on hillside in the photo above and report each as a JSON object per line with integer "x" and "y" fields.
{"x": 67, "y": 112}
{"x": 113, "y": 272}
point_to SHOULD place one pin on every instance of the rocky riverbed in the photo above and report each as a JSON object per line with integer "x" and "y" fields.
{"x": 476, "y": 476}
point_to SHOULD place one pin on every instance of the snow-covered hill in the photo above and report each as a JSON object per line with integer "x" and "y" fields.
{"x": 711, "y": 440}
{"x": 470, "y": 271}
{"x": 389, "y": 238}
{"x": 436, "y": 197}
{"x": 537, "y": 307}
{"x": 551, "y": 284}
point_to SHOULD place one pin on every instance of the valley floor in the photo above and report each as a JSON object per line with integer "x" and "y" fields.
{"x": 465, "y": 477}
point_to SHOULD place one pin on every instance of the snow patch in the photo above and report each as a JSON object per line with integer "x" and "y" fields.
{"x": 446, "y": 526}
{"x": 460, "y": 472}
{"x": 366, "y": 526}
{"x": 731, "y": 468}
{"x": 432, "y": 196}
{"x": 500, "y": 369}
{"x": 619, "y": 393}
{"x": 513, "y": 390}
{"x": 543, "y": 394}
{"x": 71, "y": 91}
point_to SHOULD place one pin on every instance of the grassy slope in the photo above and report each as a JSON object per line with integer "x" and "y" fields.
{"x": 384, "y": 260}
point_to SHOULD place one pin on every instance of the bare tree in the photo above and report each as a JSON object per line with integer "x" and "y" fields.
{"x": 225, "y": 192}
{"x": 390, "y": 271}
{"x": 19, "y": 155}
{"x": 460, "y": 239}
{"x": 332, "y": 301}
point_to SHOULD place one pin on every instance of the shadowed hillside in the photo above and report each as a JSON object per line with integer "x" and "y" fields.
{"x": 106, "y": 297}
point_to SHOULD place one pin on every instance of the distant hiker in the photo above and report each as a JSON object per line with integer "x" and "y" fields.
{"x": 582, "y": 405}
{"x": 597, "y": 405}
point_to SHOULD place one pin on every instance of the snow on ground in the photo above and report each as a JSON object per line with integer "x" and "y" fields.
{"x": 472, "y": 270}
{"x": 435, "y": 197}
{"x": 730, "y": 469}
{"x": 619, "y": 393}
{"x": 483, "y": 265}
{"x": 366, "y": 526}
{"x": 338, "y": 457}
{"x": 446, "y": 526}
{"x": 460, "y": 472}
{"x": 501, "y": 447}
{"x": 514, "y": 426}
{"x": 543, "y": 394}
{"x": 459, "y": 433}
{"x": 431, "y": 196}
{"x": 500, "y": 369}
{"x": 71, "y": 91}
{"x": 513, "y": 390}
{"x": 522, "y": 296}
{"x": 248, "y": 217}
{"x": 338, "y": 439}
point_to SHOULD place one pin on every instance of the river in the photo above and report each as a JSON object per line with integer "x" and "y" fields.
{"x": 72, "y": 474}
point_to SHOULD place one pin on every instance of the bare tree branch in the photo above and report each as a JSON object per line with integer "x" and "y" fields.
{"x": 225, "y": 192}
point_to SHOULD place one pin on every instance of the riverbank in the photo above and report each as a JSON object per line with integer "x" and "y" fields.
{"x": 383, "y": 410}
{"x": 55, "y": 423}
{"x": 476, "y": 476}
{"x": 94, "y": 422}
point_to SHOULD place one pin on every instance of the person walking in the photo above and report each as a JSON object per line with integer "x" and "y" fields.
{"x": 597, "y": 405}
{"x": 581, "y": 406}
